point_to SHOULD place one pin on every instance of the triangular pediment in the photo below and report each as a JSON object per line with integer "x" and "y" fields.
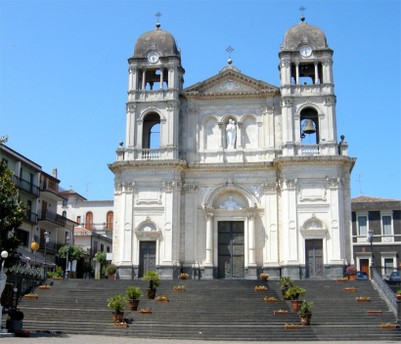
{"x": 230, "y": 82}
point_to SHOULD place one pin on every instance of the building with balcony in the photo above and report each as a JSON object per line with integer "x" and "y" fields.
{"x": 40, "y": 192}
{"x": 232, "y": 176}
{"x": 94, "y": 222}
{"x": 376, "y": 234}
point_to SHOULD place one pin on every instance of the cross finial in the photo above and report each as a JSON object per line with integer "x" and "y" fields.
{"x": 230, "y": 50}
{"x": 158, "y": 15}
{"x": 302, "y": 9}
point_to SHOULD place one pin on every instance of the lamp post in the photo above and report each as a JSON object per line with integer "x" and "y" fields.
{"x": 67, "y": 239}
{"x": 3, "y": 280}
{"x": 44, "y": 260}
{"x": 370, "y": 239}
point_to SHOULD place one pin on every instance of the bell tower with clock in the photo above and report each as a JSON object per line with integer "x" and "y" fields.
{"x": 307, "y": 88}
{"x": 154, "y": 86}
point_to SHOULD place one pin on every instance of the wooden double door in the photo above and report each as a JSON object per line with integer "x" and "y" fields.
{"x": 314, "y": 258}
{"x": 230, "y": 249}
{"x": 147, "y": 257}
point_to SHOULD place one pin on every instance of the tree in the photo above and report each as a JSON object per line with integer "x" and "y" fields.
{"x": 12, "y": 212}
{"x": 72, "y": 251}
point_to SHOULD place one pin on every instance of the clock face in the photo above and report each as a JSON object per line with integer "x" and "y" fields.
{"x": 305, "y": 50}
{"x": 153, "y": 57}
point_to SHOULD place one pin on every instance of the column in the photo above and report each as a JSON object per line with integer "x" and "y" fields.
{"x": 251, "y": 234}
{"x": 297, "y": 73}
{"x": 209, "y": 240}
{"x": 317, "y": 81}
{"x": 161, "y": 78}
{"x": 143, "y": 79}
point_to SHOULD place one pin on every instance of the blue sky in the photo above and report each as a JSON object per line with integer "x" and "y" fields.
{"x": 63, "y": 75}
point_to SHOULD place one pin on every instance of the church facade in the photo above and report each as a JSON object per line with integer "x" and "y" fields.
{"x": 232, "y": 176}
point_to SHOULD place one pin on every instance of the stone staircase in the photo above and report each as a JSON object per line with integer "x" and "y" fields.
{"x": 213, "y": 310}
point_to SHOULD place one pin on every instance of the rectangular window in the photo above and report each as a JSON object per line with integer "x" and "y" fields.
{"x": 388, "y": 266}
{"x": 79, "y": 220}
{"x": 362, "y": 225}
{"x": 386, "y": 225}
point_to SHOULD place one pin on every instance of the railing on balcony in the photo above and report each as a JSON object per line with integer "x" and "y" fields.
{"x": 48, "y": 184}
{"x": 26, "y": 186}
{"x": 31, "y": 217}
{"x": 47, "y": 215}
{"x": 104, "y": 226}
{"x": 51, "y": 247}
{"x": 150, "y": 154}
{"x": 309, "y": 149}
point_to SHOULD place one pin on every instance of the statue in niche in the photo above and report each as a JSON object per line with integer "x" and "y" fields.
{"x": 231, "y": 133}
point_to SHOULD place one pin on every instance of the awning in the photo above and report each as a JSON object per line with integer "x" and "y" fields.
{"x": 34, "y": 259}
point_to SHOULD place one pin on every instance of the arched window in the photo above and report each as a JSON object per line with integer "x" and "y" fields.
{"x": 89, "y": 220}
{"x": 151, "y": 131}
{"x": 109, "y": 220}
{"x": 155, "y": 136}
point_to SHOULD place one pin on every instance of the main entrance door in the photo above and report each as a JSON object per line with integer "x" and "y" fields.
{"x": 314, "y": 258}
{"x": 147, "y": 257}
{"x": 364, "y": 265}
{"x": 231, "y": 249}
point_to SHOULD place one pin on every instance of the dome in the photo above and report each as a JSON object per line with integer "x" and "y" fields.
{"x": 303, "y": 33}
{"x": 156, "y": 39}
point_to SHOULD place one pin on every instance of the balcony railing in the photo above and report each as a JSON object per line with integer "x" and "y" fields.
{"x": 26, "y": 186}
{"x": 47, "y": 215}
{"x": 309, "y": 150}
{"x": 31, "y": 217}
{"x": 49, "y": 185}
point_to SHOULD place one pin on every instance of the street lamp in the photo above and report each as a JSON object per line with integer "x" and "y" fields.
{"x": 44, "y": 260}
{"x": 3, "y": 279}
{"x": 370, "y": 239}
{"x": 67, "y": 239}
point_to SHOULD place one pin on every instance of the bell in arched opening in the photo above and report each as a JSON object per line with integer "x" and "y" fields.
{"x": 309, "y": 127}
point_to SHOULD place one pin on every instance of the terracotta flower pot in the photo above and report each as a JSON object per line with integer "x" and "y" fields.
{"x": 295, "y": 305}
{"x": 118, "y": 317}
{"x": 133, "y": 304}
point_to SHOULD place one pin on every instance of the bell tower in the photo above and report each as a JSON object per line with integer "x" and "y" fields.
{"x": 155, "y": 82}
{"x": 307, "y": 88}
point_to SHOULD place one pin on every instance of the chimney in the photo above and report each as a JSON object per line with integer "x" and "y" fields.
{"x": 55, "y": 172}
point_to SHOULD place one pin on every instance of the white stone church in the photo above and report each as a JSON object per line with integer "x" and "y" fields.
{"x": 232, "y": 176}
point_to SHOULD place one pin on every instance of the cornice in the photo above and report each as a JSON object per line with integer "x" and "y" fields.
{"x": 230, "y": 167}
{"x": 232, "y": 95}
{"x": 307, "y": 160}
{"x": 119, "y": 166}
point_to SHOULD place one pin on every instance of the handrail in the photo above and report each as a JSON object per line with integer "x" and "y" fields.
{"x": 385, "y": 291}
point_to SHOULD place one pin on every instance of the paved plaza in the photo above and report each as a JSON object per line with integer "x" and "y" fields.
{"x": 78, "y": 339}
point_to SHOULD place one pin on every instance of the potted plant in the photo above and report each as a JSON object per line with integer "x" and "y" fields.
{"x": 293, "y": 293}
{"x": 263, "y": 276}
{"x": 153, "y": 277}
{"x": 179, "y": 288}
{"x": 14, "y": 323}
{"x": 350, "y": 271}
{"x": 111, "y": 270}
{"x": 398, "y": 294}
{"x": 117, "y": 303}
{"x": 260, "y": 288}
{"x": 57, "y": 274}
{"x": 133, "y": 294}
{"x": 305, "y": 312}
{"x": 270, "y": 299}
{"x": 285, "y": 283}
{"x": 183, "y": 276}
